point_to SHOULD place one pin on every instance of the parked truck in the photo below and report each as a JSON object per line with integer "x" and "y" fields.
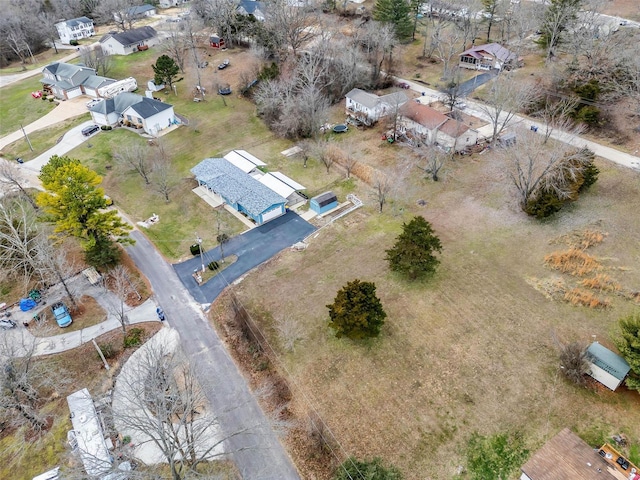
{"x": 113, "y": 89}
{"x": 61, "y": 314}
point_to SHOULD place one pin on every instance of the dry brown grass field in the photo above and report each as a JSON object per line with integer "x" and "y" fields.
{"x": 473, "y": 349}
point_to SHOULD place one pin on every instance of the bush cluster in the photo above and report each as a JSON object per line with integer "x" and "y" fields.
{"x": 133, "y": 338}
{"x": 213, "y": 265}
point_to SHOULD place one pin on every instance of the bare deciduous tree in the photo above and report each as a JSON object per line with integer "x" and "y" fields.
{"x": 122, "y": 286}
{"x": 18, "y": 239}
{"x": 321, "y": 152}
{"x": 431, "y": 160}
{"x": 96, "y": 58}
{"x": 11, "y": 176}
{"x": 290, "y": 332}
{"x": 163, "y": 177}
{"x": 53, "y": 265}
{"x": 135, "y": 156}
{"x": 118, "y": 12}
{"x": 291, "y": 26}
{"x": 382, "y": 185}
{"x": 574, "y": 362}
{"x": 556, "y": 116}
{"x": 174, "y": 45}
{"x": 505, "y": 98}
{"x": 158, "y": 400}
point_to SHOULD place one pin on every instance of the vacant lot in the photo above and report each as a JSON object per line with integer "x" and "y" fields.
{"x": 17, "y": 106}
{"x": 475, "y": 348}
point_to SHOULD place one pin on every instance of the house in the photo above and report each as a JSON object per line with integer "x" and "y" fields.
{"x": 239, "y": 190}
{"x": 566, "y": 456}
{"x": 608, "y": 368}
{"x": 132, "y": 13}
{"x": 67, "y": 81}
{"x": 436, "y": 128}
{"x": 489, "y": 56}
{"x": 87, "y": 436}
{"x": 75, "y": 29}
{"x": 149, "y": 114}
{"x": 368, "y": 108}
{"x": 251, "y": 7}
{"x": 323, "y": 203}
{"x": 135, "y": 110}
{"x": 129, "y": 41}
{"x": 170, "y": 3}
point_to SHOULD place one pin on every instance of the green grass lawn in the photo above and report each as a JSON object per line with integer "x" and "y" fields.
{"x": 17, "y": 106}
{"x": 41, "y": 140}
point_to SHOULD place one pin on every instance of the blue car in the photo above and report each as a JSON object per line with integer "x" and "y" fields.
{"x": 61, "y": 314}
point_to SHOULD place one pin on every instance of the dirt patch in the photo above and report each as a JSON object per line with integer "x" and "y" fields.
{"x": 85, "y": 313}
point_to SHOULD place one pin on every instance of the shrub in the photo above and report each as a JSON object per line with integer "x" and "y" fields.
{"x": 589, "y": 176}
{"x": 106, "y": 127}
{"x": 195, "y": 249}
{"x": 354, "y": 469}
{"x": 74, "y": 43}
{"x": 133, "y": 338}
{"x": 574, "y": 363}
{"x": 544, "y": 205}
{"x": 213, "y": 265}
{"x": 496, "y": 457}
{"x": 573, "y": 261}
{"x": 108, "y": 350}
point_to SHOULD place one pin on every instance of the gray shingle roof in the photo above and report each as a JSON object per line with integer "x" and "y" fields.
{"x": 236, "y": 186}
{"x": 367, "y": 99}
{"x": 96, "y": 81}
{"x": 78, "y": 21}
{"x": 131, "y": 37}
{"x": 67, "y": 70}
{"x": 495, "y": 49}
{"x": 250, "y": 6}
{"x": 608, "y": 361}
{"x": 148, "y": 107}
{"x": 140, "y": 9}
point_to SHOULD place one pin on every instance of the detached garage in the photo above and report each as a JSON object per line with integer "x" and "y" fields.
{"x": 608, "y": 368}
{"x": 240, "y": 190}
{"x": 323, "y": 203}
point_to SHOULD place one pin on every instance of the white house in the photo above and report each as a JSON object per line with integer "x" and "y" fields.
{"x": 130, "y": 41}
{"x": 134, "y": 110}
{"x": 369, "y": 108}
{"x": 435, "y": 128}
{"x": 150, "y": 115}
{"x": 75, "y": 29}
{"x": 169, "y": 3}
{"x": 608, "y": 368}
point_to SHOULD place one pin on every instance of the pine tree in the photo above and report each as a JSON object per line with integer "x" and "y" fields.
{"x": 396, "y": 12}
{"x": 166, "y": 70}
{"x": 413, "y": 252}
{"x": 629, "y": 345}
{"x": 356, "y": 312}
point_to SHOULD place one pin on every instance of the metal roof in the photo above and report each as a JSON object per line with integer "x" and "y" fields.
{"x": 289, "y": 181}
{"x": 608, "y": 361}
{"x": 140, "y": 9}
{"x": 276, "y": 185}
{"x": 495, "y": 49}
{"x": 236, "y": 186}
{"x": 239, "y": 161}
{"x": 131, "y": 37}
{"x": 88, "y": 433}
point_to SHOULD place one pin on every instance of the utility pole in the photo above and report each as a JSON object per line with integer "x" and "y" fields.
{"x": 199, "y": 240}
{"x": 27, "y": 137}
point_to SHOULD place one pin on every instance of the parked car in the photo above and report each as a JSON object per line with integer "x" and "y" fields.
{"x": 7, "y": 324}
{"x": 92, "y": 103}
{"x": 203, "y": 64}
{"x": 404, "y": 85}
{"x": 61, "y": 314}
{"x": 224, "y": 90}
{"x": 224, "y": 64}
{"x": 90, "y": 130}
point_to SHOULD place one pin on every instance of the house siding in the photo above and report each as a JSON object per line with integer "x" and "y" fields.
{"x": 159, "y": 121}
{"x": 605, "y": 378}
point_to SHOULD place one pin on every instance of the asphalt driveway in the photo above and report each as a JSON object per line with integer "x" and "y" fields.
{"x": 470, "y": 85}
{"x": 252, "y": 248}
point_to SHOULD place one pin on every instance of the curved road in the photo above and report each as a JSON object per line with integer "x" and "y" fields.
{"x": 254, "y": 446}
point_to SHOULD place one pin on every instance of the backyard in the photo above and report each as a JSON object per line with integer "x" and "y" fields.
{"x": 476, "y": 348}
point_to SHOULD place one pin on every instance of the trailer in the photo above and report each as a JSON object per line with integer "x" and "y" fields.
{"x": 113, "y": 89}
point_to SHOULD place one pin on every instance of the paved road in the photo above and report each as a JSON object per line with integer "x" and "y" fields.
{"x": 252, "y": 248}
{"x": 256, "y": 451}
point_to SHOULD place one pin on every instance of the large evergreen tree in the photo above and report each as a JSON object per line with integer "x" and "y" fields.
{"x": 76, "y": 205}
{"x": 413, "y": 252}
{"x": 398, "y": 13}
{"x": 558, "y": 18}
{"x": 166, "y": 71}
{"x": 629, "y": 345}
{"x": 356, "y": 312}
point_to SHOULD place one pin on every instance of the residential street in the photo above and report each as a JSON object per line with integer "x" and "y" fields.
{"x": 256, "y": 451}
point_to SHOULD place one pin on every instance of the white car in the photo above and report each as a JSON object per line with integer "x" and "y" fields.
{"x": 92, "y": 103}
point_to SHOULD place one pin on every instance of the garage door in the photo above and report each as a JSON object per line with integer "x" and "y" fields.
{"x": 276, "y": 212}
{"x": 76, "y": 92}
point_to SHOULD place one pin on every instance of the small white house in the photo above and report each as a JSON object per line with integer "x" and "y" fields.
{"x": 608, "y": 368}
{"x": 130, "y": 41}
{"x": 75, "y": 29}
{"x": 134, "y": 110}
{"x": 369, "y": 108}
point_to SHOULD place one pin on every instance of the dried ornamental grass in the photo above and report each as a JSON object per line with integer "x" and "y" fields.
{"x": 602, "y": 282}
{"x": 585, "y": 298}
{"x": 573, "y": 261}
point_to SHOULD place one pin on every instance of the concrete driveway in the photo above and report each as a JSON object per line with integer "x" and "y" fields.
{"x": 64, "y": 111}
{"x": 252, "y": 248}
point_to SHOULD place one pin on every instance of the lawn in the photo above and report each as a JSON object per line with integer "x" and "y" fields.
{"x": 17, "y": 106}
{"x": 473, "y": 349}
{"x": 42, "y": 140}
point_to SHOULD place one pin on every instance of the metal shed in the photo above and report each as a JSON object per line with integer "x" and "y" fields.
{"x": 323, "y": 203}
{"x": 608, "y": 368}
